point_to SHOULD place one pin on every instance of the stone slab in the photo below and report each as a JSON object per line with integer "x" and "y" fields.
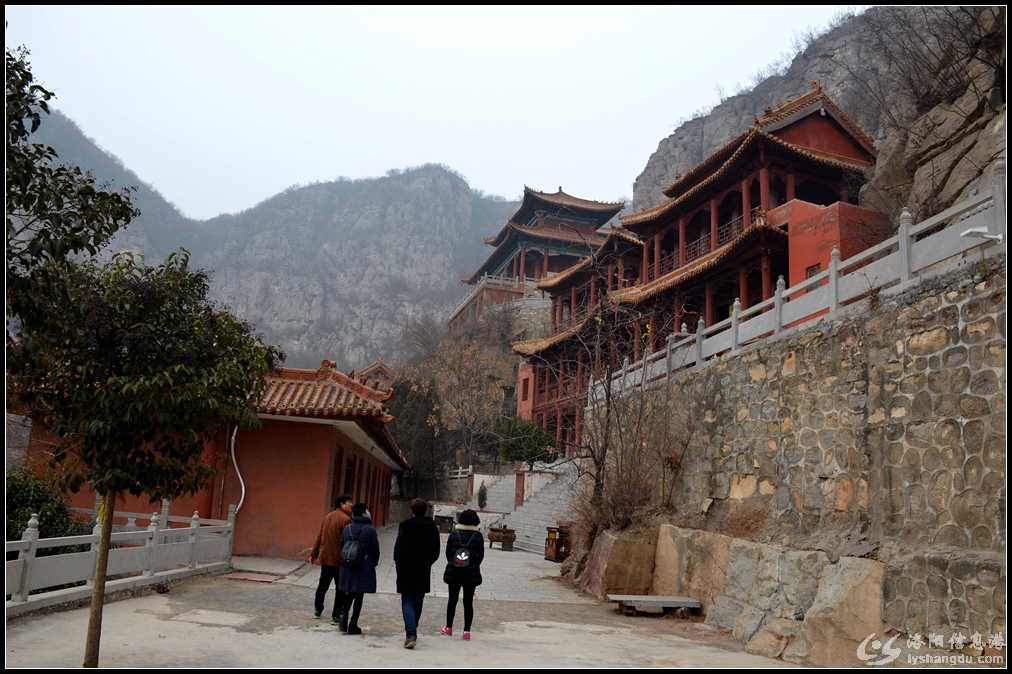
{"x": 207, "y": 617}
{"x": 652, "y": 600}
{"x": 255, "y": 577}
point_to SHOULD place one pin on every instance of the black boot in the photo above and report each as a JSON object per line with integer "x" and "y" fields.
{"x": 343, "y": 622}
{"x": 354, "y": 629}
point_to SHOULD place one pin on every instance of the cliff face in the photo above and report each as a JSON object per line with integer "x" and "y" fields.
{"x": 928, "y": 158}
{"x": 330, "y": 270}
{"x": 337, "y": 268}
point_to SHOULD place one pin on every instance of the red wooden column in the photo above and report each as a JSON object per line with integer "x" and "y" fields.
{"x": 611, "y": 273}
{"x": 523, "y": 266}
{"x": 713, "y": 224}
{"x": 767, "y": 272}
{"x": 558, "y": 426}
{"x": 653, "y": 331}
{"x": 644, "y": 264}
{"x": 592, "y": 300}
{"x": 764, "y": 188}
{"x": 359, "y": 479}
{"x": 791, "y": 186}
{"x": 544, "y": 273}
{"x": 681, "y": 241}
{"x": 343, "y": 472}
{"x": 572, "y": 305}
{"x": 657, "y": 253}
{"x": 709, "y": 304}
{"x": 746, "y": 203}
{"x": 743, "y": 287}
{"x": 621, "y": 274}
{"x": 678, "y": 308}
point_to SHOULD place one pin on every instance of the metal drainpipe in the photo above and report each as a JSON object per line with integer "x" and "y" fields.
{"x": 242, "y": 484}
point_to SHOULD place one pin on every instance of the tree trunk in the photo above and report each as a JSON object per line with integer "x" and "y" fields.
{"x": 98, "y": 595}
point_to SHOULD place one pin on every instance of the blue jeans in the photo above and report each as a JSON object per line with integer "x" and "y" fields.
{"x": 411, "y": 607}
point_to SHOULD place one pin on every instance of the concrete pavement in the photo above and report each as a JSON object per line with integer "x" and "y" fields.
{"x": 215, "y": 621}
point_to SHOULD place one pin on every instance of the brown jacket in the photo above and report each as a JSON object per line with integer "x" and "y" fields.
{"x": 327, "y": 549}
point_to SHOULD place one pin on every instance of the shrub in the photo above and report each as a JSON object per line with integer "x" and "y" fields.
{"x": 28, "y": 493}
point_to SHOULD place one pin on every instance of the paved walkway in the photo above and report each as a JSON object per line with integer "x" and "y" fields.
{"x": 525, "y": 617}
{"x": 509, "y": 576}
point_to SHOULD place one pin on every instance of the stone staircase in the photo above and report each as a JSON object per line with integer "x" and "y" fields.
{"x": 501, "y": 495}
{"x": 542, "y": 510}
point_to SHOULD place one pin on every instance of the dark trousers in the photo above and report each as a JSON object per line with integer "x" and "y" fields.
{"x": 411, "y": 608}
{"x": 327, "y": 575}
{"x": 356, "y": 599}
{"x": 451, "y": 605}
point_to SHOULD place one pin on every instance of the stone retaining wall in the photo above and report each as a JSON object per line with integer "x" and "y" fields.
{"x": 850, "y": 479}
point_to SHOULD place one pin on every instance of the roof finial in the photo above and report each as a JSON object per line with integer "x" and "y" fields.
{"x": 816, "y": 86}
{"x": 560, "y": 189}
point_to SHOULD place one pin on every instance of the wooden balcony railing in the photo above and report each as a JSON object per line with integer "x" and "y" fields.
{"x": 697, "y": 248}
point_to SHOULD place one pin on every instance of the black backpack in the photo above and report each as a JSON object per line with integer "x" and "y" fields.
{"x": 351, "y": 551}
{"x": 462, "y": 555}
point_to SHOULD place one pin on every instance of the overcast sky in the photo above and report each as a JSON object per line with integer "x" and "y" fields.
{"x": 219, "y": 108}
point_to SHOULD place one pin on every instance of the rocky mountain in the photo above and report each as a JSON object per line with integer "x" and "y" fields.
{"x": 329, "y": 270}
{"x": 926, "y": 84}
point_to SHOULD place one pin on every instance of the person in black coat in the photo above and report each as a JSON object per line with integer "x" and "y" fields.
{"x": 358, "y": 575}
{"x": 465, "y": 549}
{"x": 416, "y": 550}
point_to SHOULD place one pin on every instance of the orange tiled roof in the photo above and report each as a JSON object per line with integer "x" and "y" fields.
{"x": 532, "y": 346}
{"x": 815, "y": 96}
{"x": 768, "y": 122}
{"x": 547, "y": 233}
{"x": 613, "y": 233}
{"x": 560, "y": 198}
{"x": 636, "y": 294}
{"x": 372, "y": 374}
{"x": 553, "y": 281}
{"x": 326, "y": 393}
{"x": 751, "y": 137}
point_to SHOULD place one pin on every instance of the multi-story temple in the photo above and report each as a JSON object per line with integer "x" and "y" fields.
{"x": 548, "y": 233}
{"x": 775, "y": 201}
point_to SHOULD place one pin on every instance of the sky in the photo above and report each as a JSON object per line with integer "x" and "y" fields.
{"x": 219, "y": 108}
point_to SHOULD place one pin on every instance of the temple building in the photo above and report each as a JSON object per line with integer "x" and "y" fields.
{"x": 547, "y": 234}
{"x": 376, "y": 375}
{"x": 774, "y": 201}
{"x": 322, "y": 433}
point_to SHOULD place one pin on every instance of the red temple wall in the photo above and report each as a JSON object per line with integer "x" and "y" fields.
{"x": 822, "y": 133}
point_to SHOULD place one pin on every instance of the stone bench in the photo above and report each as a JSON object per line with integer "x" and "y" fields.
{"x": 630, "y": 604}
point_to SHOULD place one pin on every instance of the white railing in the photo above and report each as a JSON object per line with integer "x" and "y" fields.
{"x": 895, "y": 264}
{"x": 493, "y": 282}
{"x": 155, "y": 553}
{"x": 459, "y": 472}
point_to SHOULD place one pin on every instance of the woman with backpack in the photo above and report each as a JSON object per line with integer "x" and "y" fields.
{"x": 359, "y": 556}
{"x": 465, "y": 549}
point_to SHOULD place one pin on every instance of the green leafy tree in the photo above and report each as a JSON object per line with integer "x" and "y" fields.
{"x": 134, "y": 370}
{"x": 53, "y": 211}
{"x": 521, "y": 440}
{"x": 417, "y": 428}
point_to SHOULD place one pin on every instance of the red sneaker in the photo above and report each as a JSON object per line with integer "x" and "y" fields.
{"x": 446, "y": 631}
{"x": 466, "y": 636}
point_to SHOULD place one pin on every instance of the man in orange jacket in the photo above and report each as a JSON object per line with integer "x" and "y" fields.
{"x": 327, "y": 553}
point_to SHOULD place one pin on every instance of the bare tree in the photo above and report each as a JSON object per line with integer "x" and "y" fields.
{"x": 631, "y": 444}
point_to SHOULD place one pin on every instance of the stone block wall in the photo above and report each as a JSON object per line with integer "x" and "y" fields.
{"x": 879, "y": 435}
{"x": 780, "y": 602}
